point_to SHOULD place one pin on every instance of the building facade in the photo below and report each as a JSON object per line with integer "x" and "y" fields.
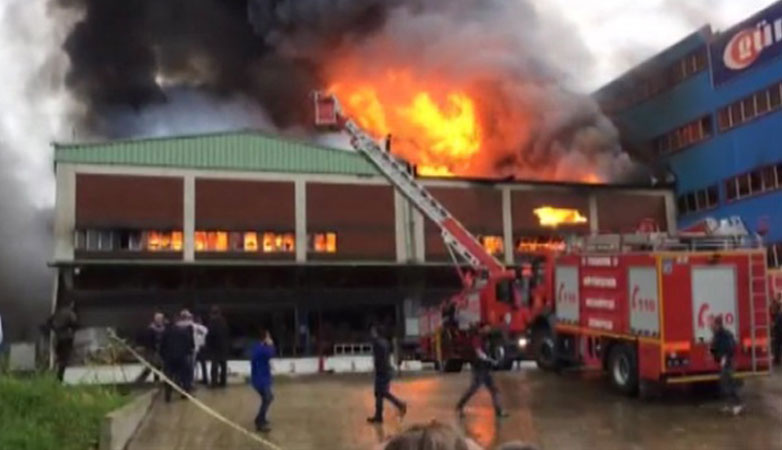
{"x": 311, "y": 242}
{"x": 707, "y": 110}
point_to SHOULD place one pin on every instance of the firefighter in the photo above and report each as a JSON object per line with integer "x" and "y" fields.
{"x": 63, "y": 324}
{"x": 482, "y": 366}
{"x": 723, "y": 347}
{"x": 383, "y": 372}
{"x": 261, "y": 376}
{"x": 776, "y": 329}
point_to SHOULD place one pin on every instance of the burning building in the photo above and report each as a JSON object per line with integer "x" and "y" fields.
{"x": 310, "y": 241}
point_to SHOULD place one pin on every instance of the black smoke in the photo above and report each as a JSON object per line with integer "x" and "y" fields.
{"x": 129, "y": 56}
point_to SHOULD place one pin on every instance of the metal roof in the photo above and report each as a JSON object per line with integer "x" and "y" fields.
{"x": 246, "y": 150}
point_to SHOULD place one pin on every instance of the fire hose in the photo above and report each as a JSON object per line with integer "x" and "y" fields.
{"x": 201, "y": 405}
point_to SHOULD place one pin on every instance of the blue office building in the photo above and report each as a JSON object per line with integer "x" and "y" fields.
{"x": 708, "y": 112}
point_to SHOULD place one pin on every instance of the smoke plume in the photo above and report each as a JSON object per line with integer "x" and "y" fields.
{"x": 129, "y": 58}
{"x": 35, "y": 109}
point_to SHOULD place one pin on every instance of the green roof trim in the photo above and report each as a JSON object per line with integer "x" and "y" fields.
{"x": 246, "y": 150}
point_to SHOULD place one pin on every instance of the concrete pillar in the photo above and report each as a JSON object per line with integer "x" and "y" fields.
{"x": 65, "y": 212}
{"x": 594, "y": 222}
{"x": 300, "y": 198}
{"x": 401, "y": 230}
{"x": 670, "y": 212}
{"x": 507, "y": 227}
{"x": 188, "y": 218}
{"x": 418, "y": 237}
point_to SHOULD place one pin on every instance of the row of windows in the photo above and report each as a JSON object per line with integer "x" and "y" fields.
{"x": 660, "y": 81}
{"x": 244, "y": 241}
{"x": 758, "y": 104}
{"x": 763, "y": 179}
{"x": 129, "y": 240}
{"x": 496, "y": 245}
{"x": 699, "y": 200}
{"x": 684, "y": 136}
{"x": 205, "y": 241}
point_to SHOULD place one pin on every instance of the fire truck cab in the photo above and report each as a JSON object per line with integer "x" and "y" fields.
{"x": 644, "y": 313}
{"x": 509, "y": 304}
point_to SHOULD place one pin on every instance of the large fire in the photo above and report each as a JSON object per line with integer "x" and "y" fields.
{"x": 552, "y": 217}
{"x": 434, "y": 127}
{"x": 445, "y": 128}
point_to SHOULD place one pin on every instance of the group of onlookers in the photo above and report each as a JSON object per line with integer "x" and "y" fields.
{"x": 180, "y": 345}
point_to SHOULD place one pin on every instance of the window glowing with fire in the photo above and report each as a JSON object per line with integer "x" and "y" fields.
{"x": 217, "y": 241}
{"x": 492, "y": 244}
{"x": 245, "y": 241}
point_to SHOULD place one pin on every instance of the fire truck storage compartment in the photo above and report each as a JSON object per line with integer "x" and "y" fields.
{"x": 713, "y": 294}
{"x": 644, "y": 301}
{"x": 567, "y": 301}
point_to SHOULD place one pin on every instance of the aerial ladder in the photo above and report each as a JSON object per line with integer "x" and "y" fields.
{"x": 461, "y": 244}
{"x": 490, "y": 297}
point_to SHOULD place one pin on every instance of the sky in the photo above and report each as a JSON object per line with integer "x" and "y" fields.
{"x": 622, "y": 33}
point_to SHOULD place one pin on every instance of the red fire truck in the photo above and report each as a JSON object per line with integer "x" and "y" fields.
{"x": 643, "y": 311}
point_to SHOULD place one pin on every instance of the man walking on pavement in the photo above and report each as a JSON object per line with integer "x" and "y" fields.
{"x": 177, "y": 351}
{"x": 381, "y": 352}
{"x": 723, "y": 346}
{"x": 64, "y": 324}
{"x": 261, "y": 376}
{"x": 482, "y": 365}
{"x": 218, "y": 345}
{"x": 151, "y": 340}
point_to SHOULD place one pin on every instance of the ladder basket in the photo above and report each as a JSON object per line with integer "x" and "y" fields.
{"x": 326, "y": 110}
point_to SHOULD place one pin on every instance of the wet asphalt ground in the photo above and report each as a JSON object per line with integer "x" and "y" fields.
{"x": 569, "y": 411}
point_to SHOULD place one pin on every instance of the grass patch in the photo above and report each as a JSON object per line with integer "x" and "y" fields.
{"x": 38, "y": 413}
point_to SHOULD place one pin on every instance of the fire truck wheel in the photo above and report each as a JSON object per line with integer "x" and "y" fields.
{"x": 545, "y": 351}
{"x": 623, "y": 368}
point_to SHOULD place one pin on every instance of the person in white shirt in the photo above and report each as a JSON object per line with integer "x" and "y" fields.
{"x": 200, "y": 331}
{"x": 1, "y": 331}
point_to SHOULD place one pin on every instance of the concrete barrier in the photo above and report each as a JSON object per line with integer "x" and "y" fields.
{"x": 120, "y": 425}
{"x": 239, "y": 369}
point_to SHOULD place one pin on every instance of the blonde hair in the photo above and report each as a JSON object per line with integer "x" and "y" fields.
{"x": 431, "y": 436}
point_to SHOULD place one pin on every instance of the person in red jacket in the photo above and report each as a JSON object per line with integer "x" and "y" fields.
{"x": 261, "y": 375}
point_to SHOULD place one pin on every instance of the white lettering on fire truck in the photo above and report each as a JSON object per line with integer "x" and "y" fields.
{"x": 599, "y": 261}
{"x": 601, "y": 282}
{"x": 601, "y": 324}
{"x": 601, "y": 303}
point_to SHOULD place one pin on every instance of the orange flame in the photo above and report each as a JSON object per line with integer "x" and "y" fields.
{"x": 446, "y": 124}
{"x": 552, "y": 217}
{"x": 436, "y": 129}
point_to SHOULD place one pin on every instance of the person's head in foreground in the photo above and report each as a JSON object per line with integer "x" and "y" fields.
{"x": 431, "y": 436}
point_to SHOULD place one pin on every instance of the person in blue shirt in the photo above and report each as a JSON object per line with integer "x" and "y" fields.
{"x": 261, "y": 375}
